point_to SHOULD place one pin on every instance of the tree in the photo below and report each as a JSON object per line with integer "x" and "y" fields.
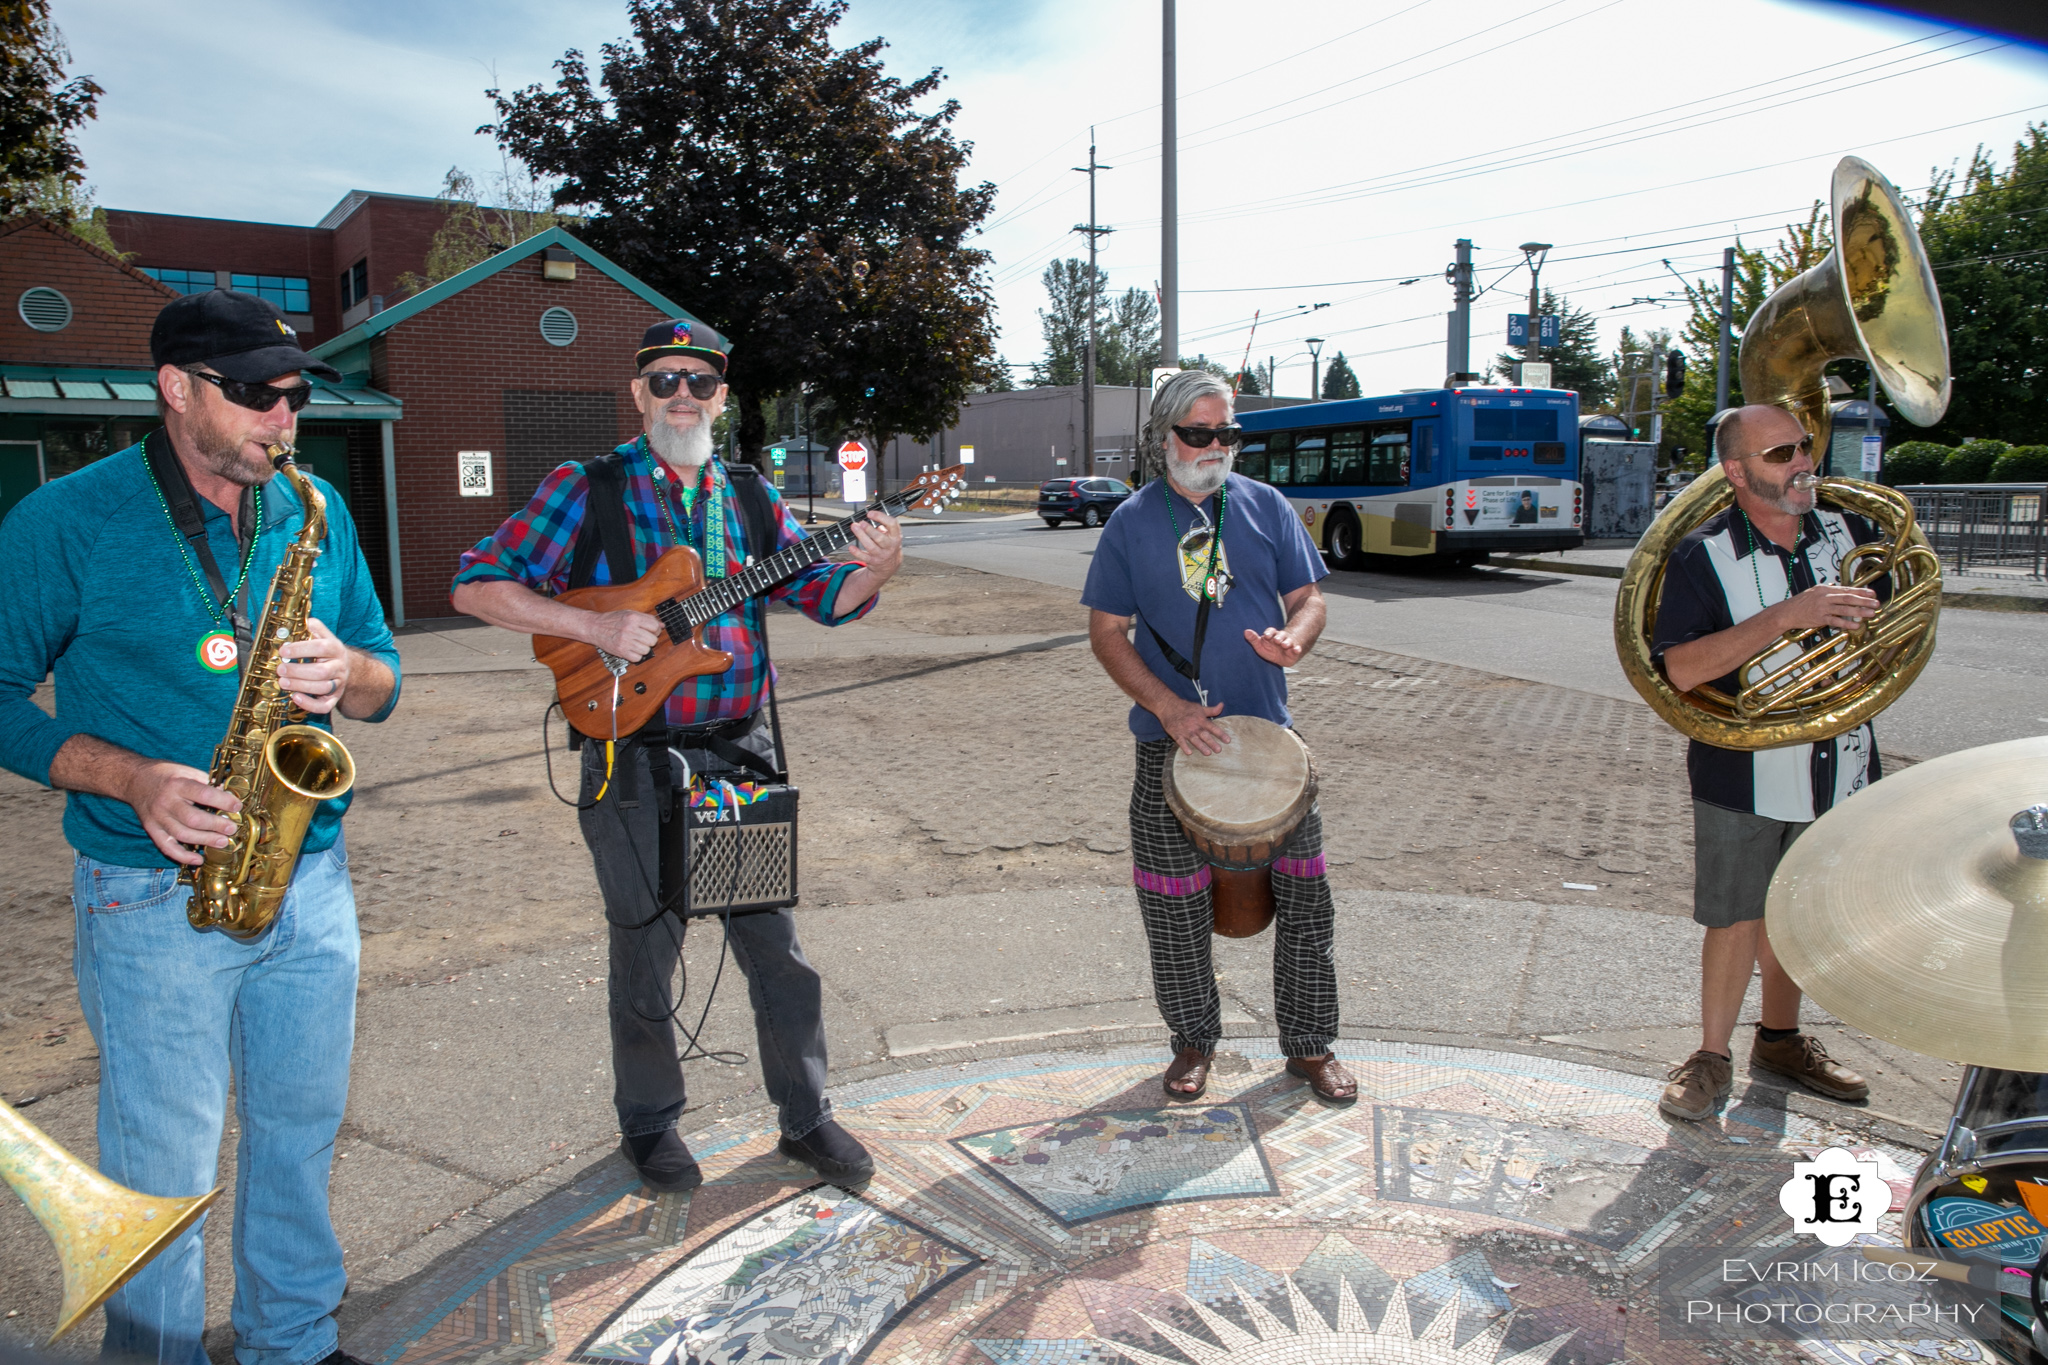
{"x": 1988, "y": 239}
{"x": 471, "y": 233}
{"x": 1338, "y": 380}
{"x": 71, "y": 203}
{"x": 1757, "y": 274}
{"x": 786, "y": 191}
{"x": 1065, "y": 326}
{"x": 1126, "y": 329}
{"x": 1575, "y": 362}
{"x": 39, "y": 109}
{"x": 1127, "y": 349}
{"x": 1247, "y": 381}
{"x": 1202, "y": 362}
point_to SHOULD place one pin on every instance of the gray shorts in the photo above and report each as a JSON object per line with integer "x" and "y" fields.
{"x": 1734, "y": 854}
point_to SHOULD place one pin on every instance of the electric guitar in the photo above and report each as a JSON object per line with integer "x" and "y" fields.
{"x": 591, "y": 683}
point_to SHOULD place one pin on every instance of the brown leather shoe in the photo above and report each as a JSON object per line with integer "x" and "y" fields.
{"x": 1326, "y": 1076}
{"x": 1697, "y": 1084}
{"x": 1188, "y": 1077}
{"x": 1802, "y": 1058}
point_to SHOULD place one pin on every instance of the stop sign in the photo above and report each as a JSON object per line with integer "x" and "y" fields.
{"x": 854, "y": 456}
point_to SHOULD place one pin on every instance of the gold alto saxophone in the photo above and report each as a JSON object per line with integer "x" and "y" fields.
{"x": 280, "y": 770}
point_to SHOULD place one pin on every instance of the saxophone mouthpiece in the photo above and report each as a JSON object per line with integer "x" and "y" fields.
{"x": 280, "y": 454}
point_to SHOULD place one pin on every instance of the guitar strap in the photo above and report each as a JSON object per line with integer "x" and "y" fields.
{"x": 605, "y": 528}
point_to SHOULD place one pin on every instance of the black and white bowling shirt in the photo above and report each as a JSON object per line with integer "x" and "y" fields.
{"x": 1723, "y": 573}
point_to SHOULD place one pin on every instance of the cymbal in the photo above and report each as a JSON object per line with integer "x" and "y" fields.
{"x": 1910, "y": 912}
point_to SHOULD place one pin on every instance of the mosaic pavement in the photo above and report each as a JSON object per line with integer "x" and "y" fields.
{"x": 1472, "y": 1207}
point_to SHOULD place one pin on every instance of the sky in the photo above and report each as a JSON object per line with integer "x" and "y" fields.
{"x": 1330, "y": 153}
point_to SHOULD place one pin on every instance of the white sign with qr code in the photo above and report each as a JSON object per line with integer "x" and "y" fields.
{"x": 473, "y": 473}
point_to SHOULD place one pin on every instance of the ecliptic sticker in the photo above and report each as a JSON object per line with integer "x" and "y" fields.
{"x": 217, "y": 652}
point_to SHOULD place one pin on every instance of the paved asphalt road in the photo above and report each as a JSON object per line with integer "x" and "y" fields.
{"x": 1984, "y": 684}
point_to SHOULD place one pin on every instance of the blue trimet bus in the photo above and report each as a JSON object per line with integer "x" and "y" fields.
{"x": 1453, "y": 473}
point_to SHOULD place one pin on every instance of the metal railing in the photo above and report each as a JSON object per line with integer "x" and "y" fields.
{"x": 1985, "y": 525}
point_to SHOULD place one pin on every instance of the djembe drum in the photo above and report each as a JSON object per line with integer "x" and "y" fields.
{"x": 1238, "y": 808}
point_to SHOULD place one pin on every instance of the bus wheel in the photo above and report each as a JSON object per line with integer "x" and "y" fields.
{"x": 1344, "y": 551}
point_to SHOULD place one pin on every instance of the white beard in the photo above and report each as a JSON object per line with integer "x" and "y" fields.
{"x": 1201, "y": 479}
{"x": 688, "y": 448}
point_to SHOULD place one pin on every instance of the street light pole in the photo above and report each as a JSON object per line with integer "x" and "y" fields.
{"x": 1169, "y": 200}
{"x": 1534, "y": 252}
{"x": 1315, "y": 361}
{"x": 1458, "y": 359}
{"x": 1094, "y": 232}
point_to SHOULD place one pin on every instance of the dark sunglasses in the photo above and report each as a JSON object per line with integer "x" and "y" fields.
{"x": 1198, "y": 438}
{"x": 1783, "y": 454}
{"x": 664, "y": 383}
{"x": 256, "y": 397}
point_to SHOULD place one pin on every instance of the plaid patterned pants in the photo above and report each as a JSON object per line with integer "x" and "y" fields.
{"x": 1173, "y": 901}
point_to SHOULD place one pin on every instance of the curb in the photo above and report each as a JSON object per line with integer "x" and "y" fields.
{"x": 1974, "y": 600}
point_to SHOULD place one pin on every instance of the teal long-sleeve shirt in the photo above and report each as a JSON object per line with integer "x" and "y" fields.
{"x": 101, "y": 593}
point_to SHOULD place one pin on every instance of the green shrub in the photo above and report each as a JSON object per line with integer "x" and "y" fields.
{"x": 1972, "y": 461}
{"x": 2021, "y": 464}
{"x": 1913, "y": 462}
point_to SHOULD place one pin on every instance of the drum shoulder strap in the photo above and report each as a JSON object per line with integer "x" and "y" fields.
{"x": 1191, "y": 669}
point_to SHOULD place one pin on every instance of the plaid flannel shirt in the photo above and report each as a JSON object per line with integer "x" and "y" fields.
{"x": 535, "y": 546}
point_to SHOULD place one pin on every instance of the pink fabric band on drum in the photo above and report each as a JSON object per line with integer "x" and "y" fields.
{"x": 1170, "y": 886}
{"x": 1299, "y": 867}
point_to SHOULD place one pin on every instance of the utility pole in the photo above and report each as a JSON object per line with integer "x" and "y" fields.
{"x": 1458, "y": 353}
{"x": 1315, "y": 360}
{"x": 1535, "y": 252}
{"x": 1656, "y": 392}
{"x": 1727, "y": 326}
{"x": 1094, "y": 232}
{"x": 1169, "y": 200}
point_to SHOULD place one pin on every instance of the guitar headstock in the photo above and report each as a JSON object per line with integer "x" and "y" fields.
{"x": 934, "y": 489}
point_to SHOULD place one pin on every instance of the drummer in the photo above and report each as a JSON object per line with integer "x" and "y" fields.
{"x": 1769, "y": 564}
{"x": 1204, "y": 533}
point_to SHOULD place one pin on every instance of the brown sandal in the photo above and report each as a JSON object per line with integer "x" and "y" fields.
{"x": 1189, "y": 1064}
{"x": 1326, "y": 1076}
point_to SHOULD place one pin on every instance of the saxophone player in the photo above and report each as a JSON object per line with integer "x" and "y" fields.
{"x": 137, "y": 579}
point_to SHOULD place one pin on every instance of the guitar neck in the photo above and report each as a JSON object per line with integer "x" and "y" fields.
{"x": 684, "y": 614}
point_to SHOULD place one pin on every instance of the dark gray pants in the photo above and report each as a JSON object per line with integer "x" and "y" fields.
{"x": 783, "y": 987}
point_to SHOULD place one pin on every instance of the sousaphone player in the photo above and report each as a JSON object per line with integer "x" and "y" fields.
{"x": 1769, "y": 616}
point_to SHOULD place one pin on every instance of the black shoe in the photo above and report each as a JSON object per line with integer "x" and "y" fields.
{"x": 663, "y": 1160}
{"x": 832, "y": 1152}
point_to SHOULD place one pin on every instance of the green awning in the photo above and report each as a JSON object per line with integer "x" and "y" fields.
{"x": 59, "y": 391}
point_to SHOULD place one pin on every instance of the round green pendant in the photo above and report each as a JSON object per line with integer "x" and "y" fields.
{"x": 217, "y": 652}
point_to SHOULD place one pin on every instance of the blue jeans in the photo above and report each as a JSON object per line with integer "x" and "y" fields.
{"x": 177, "y": 1014}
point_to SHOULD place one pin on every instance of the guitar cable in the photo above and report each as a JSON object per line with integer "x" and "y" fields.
{"x": 695, "y": 1050}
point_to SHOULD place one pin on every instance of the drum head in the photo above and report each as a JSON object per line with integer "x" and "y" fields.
{"x": 1257, "y": 788}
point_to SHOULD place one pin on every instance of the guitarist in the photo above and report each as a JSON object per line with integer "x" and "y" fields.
{"x": 665, "y": 488}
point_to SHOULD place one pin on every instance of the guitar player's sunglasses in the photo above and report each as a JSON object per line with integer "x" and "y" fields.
{"x": 664, "y": 383}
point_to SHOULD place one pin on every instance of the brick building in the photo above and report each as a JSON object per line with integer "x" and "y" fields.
{"x": 453, "y": 404}
{"x": 505, "y": 370}
{"x": 326, "y": 278}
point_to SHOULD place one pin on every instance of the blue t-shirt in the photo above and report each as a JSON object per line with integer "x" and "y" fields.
{"x": 104, "y": 598}
{"x": 1139, "y": 571}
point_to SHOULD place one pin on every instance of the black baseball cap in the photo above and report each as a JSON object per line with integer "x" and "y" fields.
{"x": 239, "y": 335}
{"x": 682, "y": 336}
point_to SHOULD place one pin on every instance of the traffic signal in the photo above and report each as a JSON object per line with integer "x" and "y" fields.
{"x": 1674, "y": 374}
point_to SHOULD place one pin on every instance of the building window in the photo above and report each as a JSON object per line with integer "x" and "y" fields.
{"x": 289, "y": 294}
{"x": 558, "y": 325}
{"x": 46, "y": 310}
{"x": 184, "y": 281}
{"x": 355, "y": 284}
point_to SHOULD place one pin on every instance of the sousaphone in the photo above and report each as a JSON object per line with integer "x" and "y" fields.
{"x": 1873, "y": 299}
